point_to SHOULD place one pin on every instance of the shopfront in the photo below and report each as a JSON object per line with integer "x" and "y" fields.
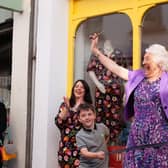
{"x": 51, "y": 44}
{"x": 130, "y": 26}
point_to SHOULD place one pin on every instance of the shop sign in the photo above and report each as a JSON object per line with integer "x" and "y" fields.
{"x": 14, "y": 5}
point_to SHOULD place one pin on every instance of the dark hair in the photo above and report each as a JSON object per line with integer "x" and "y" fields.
{"x": 85, "y": 106}
{"x": 87, "y": 96}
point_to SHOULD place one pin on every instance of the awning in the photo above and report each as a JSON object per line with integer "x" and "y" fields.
{"x": 14, "y": 5}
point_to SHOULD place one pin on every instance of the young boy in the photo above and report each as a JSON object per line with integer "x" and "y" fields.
{"x": 92, "y": 139}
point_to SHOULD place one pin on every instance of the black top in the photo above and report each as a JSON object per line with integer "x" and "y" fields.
{"x": 3, "y": 119}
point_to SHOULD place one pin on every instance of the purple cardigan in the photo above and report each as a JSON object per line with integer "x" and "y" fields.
{"x": 134, "y": 78}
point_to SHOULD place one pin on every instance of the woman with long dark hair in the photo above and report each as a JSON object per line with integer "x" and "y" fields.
{"x": 68, "y": 124}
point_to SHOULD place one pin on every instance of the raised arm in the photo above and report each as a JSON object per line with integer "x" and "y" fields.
{"x": 107, "y": 62}
{"x": 98, "y": 84}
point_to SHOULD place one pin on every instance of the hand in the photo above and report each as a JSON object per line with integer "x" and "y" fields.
{"x": 101, "y": 87}
{"x": 64, "y": 113}
{"x": 94, "y": 42}
{"x": 66, "y": 101}
{"x": 100, "y": 155}
{"x": 97, "y": 34}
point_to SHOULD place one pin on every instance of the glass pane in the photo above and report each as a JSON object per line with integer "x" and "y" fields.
{"x": 155, "y": 27}
{"x": 116, "y": 38}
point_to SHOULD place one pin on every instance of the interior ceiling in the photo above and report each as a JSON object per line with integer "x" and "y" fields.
{"x": 6, "y": 29}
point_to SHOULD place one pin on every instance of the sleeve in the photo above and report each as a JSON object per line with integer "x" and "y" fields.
{"x": 3, "y": 118}
{"x": 130, "y": 74}
{"x": 80, "y": 141}
{"x": 105, "y": 129}
{"x": 59, "y": 122}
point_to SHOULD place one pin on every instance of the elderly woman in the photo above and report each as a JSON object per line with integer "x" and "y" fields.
{"x": 147, "y": 104}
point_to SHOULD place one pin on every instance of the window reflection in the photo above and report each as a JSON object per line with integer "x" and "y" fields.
{"x": 107, "y": 89}
{"x": 155, "y": 26}
{"x": 114, "y": 27}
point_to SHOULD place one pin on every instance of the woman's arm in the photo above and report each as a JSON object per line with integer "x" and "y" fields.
{"x": 107, "y": 62}
{"x": 64, "y": 109}
{"x": 62, "y": 115}
{"x": 98, "y": 84}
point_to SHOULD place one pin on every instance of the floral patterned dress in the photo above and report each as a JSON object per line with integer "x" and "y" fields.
{"x": 109, "y": 106}
{"x": 68, "y": 154}
{"x": 150, "y": 126}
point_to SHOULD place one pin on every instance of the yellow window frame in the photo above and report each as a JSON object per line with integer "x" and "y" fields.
{"x": 81, "y": 10}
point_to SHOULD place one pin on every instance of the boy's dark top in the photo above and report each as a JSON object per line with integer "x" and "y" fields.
{"x": 94, "y": 141}
{"x": 3, "y": 125}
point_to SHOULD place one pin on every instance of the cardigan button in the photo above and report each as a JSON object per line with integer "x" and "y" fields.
{"x": 165, "y": 107}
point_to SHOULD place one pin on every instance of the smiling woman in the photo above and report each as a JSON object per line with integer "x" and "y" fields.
{"x": 68, "y": 124}
{"x": 153, "y": 64}
{"x": 146, "y": 101}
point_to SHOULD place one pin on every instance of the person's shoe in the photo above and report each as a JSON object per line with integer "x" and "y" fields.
{"x": 6, "y": 156}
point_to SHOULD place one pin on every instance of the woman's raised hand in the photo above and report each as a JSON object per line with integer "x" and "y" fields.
{"x": 64, "y": 111}
{"x": 66, "y": 101}
{"x": 94, "y": 41}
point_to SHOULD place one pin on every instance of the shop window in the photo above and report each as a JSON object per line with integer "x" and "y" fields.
{"x": 155, "y": 26}
{"x": 115, "y": 29}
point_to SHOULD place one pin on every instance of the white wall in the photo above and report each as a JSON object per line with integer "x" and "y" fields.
{"x": 50, "y": 86}
{"x": 50, "y": 80}
{"x": 18, "y": 115}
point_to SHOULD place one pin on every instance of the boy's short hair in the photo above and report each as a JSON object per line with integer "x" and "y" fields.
{"x": 85, "y": 106}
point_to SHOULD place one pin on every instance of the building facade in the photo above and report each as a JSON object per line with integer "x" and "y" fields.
{"x": 50, "y": 49}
